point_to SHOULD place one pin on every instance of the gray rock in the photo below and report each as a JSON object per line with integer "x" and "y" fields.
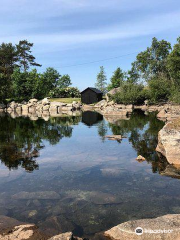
{"x": 45, "y": 101}
{"x": 22, "y": 232}
{"x": 33, "y": 101}
{"x": 126, "y": 231}
{"x": 114, "y": 91}
{"x": 169, "y": 141}
{"x": 63, "y": 236}
{"x": 46, "y": 108}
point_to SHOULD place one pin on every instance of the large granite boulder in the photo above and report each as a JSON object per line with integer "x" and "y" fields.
{"x": 46, "y": 108}
{"x": 12, "y": 229}
{"x": 169, "y": 141}
{"x": 166, "y": 228}
{"x": 114, "y": 91}
{"x": 13, "y": 105}
{"x": 45, "y": 101}
{"x": 33, "y": 101}
{"x": 63, "y": 236}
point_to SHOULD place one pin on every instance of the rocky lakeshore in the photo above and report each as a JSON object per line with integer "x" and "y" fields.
{"x": 44, "y": 108}
{"x": 165, "y": 112}
{"x": 39, "y": 108}
{"x": 166, "y": 227}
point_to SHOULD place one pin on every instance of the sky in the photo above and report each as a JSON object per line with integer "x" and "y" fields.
{"x": 77, "y": 37}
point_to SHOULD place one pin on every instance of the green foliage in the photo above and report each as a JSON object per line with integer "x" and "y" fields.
{"x": 153, "y": 61}
{"x": 173, "y": 63}
{"x": 69, "y": 92}
{"x": 3, "y": 88}
{"x": 175, "y": 95}
{"x": 14, "y": 57}
{"x": 25, "y": 58}
{"x": 130, "y": 94}
{"x": 8, "y": 59}
{"x": 133, "y": 74}
{"x": 159, "y": 89}
{"x": 117, "y": 79}
{"x": 26, "y": 85}
{"x": 101, "y": 82}
{"x": 48, "y": 81}
{"x": 35, "y": 85}
{"x": 159, "y": 67}
{"x": 64, "y": 81}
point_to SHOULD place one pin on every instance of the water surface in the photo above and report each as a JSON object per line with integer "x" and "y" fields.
{"x": 64, "y": 175}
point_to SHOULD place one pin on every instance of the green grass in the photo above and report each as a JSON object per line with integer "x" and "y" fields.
{"x": 65, "y": 100}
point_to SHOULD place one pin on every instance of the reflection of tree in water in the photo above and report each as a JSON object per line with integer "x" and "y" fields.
{"x": 142, "y": 131}
{"x": 102, "y": 129}
{"x": 21, "y": 139}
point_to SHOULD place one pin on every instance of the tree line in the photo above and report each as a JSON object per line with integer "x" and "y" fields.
{"x": 19, "y": 80}
{"x": 154, "y": 76}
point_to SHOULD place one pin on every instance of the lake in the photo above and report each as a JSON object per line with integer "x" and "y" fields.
{"x": 64, "y": 175}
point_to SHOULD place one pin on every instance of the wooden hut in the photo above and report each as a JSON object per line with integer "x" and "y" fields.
{"x": 91, "y": 95}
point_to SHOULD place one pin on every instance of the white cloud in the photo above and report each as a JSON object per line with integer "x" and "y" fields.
{"x": 143, "y": 27}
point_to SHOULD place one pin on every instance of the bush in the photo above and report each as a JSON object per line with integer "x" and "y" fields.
{"x": 69, "y": 92}
{"x": 159, "y": 90}
{"x": 175, "y": 95}
{"x": 131, "y": 94}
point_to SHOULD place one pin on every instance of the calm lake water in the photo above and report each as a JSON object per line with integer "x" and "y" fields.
{"x": 64, "y": 175}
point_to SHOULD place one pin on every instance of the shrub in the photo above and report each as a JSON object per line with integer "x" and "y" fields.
{"x": 175, "y": 95}
{"x": 69, "y": 92}
{"x": 159, "y": 89}
{"x": 130, "y": 94}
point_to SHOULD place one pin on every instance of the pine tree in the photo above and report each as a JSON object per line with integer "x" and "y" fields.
{"x": 101, "y": 82}
{"x": 24, "y": 54}
{"x": 117, "y": 79}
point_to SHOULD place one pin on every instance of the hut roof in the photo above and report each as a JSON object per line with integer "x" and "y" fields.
{"x": 93, "y": 89}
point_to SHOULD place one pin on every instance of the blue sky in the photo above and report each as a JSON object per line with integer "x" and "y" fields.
{"x": 69, "y": 32}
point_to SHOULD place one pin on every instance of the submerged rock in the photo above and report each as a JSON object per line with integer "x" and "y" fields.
{"x": 37, "y": 195}
{"x": 127, "y": 231}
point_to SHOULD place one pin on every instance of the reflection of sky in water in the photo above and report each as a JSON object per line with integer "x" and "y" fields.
{"x": 87, "y": 184}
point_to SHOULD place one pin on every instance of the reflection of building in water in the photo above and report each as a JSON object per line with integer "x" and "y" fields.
{"x": 90, "y": 118}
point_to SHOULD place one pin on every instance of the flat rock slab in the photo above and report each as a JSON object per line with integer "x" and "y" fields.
{"x": 22, "y": 232}
{"x": 114, "y": 137}
{"x": 37, "y": 195}
{"x": 126, "y": 231}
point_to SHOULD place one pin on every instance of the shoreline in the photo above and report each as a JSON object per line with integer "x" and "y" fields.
{"x": 164, "y": 227}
